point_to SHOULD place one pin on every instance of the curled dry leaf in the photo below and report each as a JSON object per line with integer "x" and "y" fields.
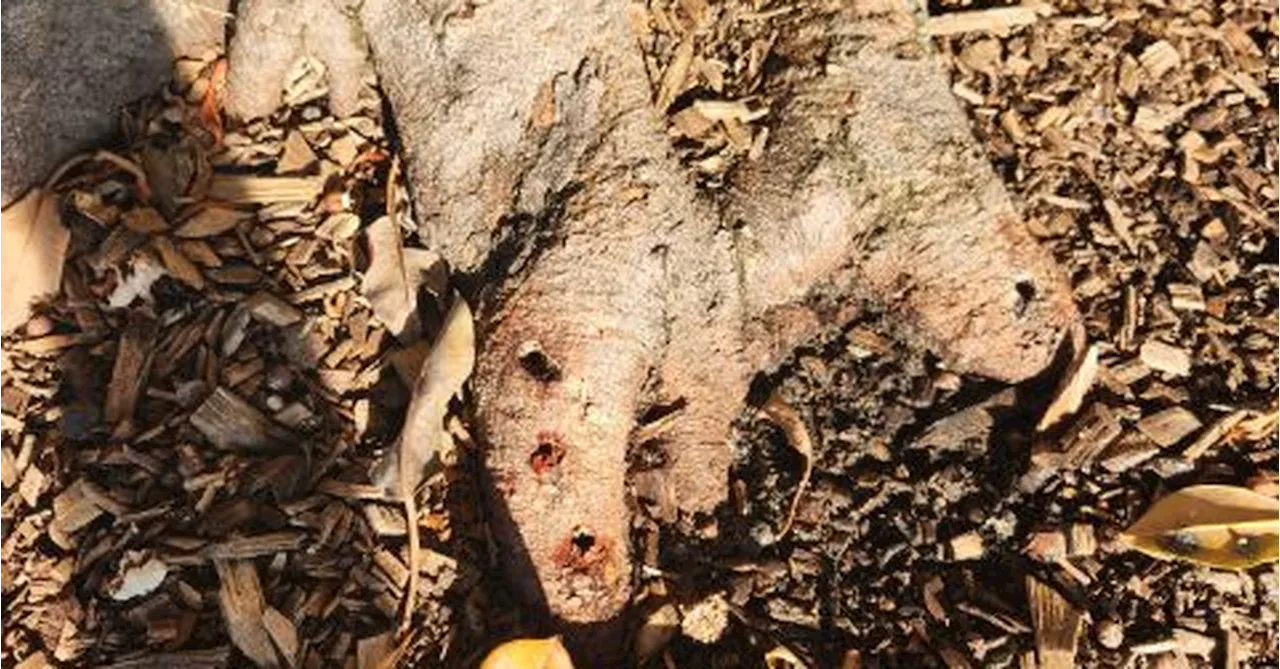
{"x": 786, "y": 417}
{"x": 447, "y": 366}
{"x": 35, "y": 241}
{"x": 393, "y": 277}
{"x": 1212, "y": 525}
{"x": 529, "y": 654}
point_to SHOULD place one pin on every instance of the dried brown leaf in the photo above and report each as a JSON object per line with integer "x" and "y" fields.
{"x": 35, "y": 241}
{"x": 448, "y": 365}
{"x": 392, "y": 279}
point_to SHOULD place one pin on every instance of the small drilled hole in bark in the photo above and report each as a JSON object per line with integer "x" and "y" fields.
{"x": 583, "y": 540}
{"x": 537, "y": 364}
{"x": 582, "y": 551}
{"x": 1026, "y": 292}
{"x": 547, "y": 454}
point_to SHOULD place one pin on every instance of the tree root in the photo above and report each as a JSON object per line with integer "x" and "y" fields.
{"x": 541, "y": 172}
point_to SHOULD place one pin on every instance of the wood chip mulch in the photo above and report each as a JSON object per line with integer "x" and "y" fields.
{"x": 188, "y": 431}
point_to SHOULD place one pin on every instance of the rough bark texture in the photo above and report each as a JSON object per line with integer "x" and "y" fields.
{"x": 271, "y": 35}
{"x": 71, "y": 65}
{"x": 541, "y": 170}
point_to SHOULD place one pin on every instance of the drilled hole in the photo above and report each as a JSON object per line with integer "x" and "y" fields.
{"x": 547, "y": 454}
{"x": 583, "y": 541}
{"x": 1026, "y": 293}
{"x": 537, "y": 364}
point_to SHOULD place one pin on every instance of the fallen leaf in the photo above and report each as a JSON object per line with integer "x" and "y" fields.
{"x": 35, "y": 241}
{"x": 446, "y": 368}
{"x": 1073, "y": 388}
{"x": 786, "y": 417}
{"x": 392, "y": 280}
{"x": 1212, "y": 525}
{"x": 529, "y": 654}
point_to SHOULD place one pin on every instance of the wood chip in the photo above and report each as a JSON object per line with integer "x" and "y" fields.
{"x": 179, "y": 265}
{"x": 213, "y": 658}
{"x": 145, "y": 220}
{"x": 211, "y": 220}
{"x": 255, "y": 546}
{"x": 73, "y": 509}
{"x": 1072, "y": 389}
{"x": 230, "y": 423}
{"x": 133, "y": 362}
{"x": 1090, "y": 435}
{"x": 8, "y": 469}
{"x": 242, "y": 603}
{"x": 1214, "y": 435}
{"x": 1057, "y": 626}
{"x": 1159, "y": 58}
{"x": 32, "y": 485}
{"x": 267, "y": 308}
{"x": 1169, "y": 426}
{"x": 248, "y": 189}
{"x": 297, "y": 155}
{"x": 673, "y": 78}
{"x": 283, "y": 634}
{"x": 1165, "y": 358}
{"x": 967, "y": 546}
{"x": 997, "y": 20}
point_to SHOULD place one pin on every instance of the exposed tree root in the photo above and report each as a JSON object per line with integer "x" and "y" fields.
{"x": 541, "y": 172}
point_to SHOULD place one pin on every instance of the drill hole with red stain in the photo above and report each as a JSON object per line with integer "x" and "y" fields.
{"x": 547, "y": 454}
{"x": 582, "y": 551}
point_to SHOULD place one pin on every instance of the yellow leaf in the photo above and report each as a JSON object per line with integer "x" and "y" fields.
{"x": 1211, "y": 525}
{"x": 529, "y": 654}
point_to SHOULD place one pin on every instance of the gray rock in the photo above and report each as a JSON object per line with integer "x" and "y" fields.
{"x": 70, "y": 65}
